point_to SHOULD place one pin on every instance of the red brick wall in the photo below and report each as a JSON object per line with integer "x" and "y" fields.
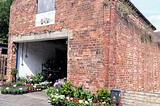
{"x": 101, "y": 53}
{"x": 86, "y": 50}
{"x": 133, "y": 65}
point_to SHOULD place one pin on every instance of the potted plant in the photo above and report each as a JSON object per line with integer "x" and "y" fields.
{"x": 29, "y": 89}
{"x": 5, "y": 91}
{"x": 14, "y": 92}
{"x": 14, "y": 72}
{"x": 9, "y": 91}
{"x": 17, "y": 91}
{"x": 67, "y": 89}
{"x": 25, "y": 90}
{"x": 38, "y": 87}
{"x": 2, "y": 91}
{"x": 21, "y": 91}
{"x": 103, "y": 96}
{"x": 18, "y": 84}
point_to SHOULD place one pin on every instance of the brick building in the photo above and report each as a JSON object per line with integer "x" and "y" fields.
{"x": 108, "y": 42}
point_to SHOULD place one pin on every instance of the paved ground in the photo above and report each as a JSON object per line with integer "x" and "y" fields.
{"x": 30, "y": 99}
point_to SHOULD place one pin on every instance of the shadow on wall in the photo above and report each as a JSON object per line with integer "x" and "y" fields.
{"x": 32, "y": 55}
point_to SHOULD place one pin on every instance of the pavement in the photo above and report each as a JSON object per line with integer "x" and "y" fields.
{"x": 30, "y": 99}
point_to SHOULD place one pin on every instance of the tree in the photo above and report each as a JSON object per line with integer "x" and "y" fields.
{"x": 4, "y": 19}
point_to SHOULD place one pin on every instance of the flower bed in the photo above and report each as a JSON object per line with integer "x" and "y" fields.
{"x": 25, "y": 85}
{"x": 67, "y": 95}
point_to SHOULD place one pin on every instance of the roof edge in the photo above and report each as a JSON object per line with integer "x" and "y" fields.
{"x": 141, "y": 15}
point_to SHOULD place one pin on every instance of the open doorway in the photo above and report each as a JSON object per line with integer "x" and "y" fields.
{"x": 46, "y": 57}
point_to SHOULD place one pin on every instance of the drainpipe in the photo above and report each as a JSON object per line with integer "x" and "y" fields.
{"x": 17, "y": 45}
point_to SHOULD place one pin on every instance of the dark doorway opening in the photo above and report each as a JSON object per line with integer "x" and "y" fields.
{"x": 57, "y": 68}
{"x": 46, "y": 57}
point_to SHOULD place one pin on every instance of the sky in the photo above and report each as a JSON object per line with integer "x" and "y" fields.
{"x": 150, "y": 9}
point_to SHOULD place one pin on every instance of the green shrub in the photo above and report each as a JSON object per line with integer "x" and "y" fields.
{"x": 37, "y": 78}
{"x": 19, "y": 84}
{"x": 7, "y": 84}
{"x": 14, "y": 71}
{"x": 66, "y": 89}
{"x": 38, "y": 87}
{"x": 50, "y": 91}
{"x": 83, "y": 94}
{"x": 103, "y": 95}
{"x": 22, "y": 79}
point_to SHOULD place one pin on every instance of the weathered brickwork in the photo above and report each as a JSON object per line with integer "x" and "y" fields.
{"x": 133, "y": 64}
{"x": 104, "y": 51}
{"x": 85, "y": 49}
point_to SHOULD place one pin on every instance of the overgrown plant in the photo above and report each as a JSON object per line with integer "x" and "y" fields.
{"x": 124, "y": 8}
{"x": 146, "y": 38}
{"x": 14, "y": 73}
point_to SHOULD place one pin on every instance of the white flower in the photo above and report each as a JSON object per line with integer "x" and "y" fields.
{"x": 51, "y": 95}
{"x": 14, "y": 85}
{"x": 20, "y": 88}
{"x": 80, "y": 101}
{"x": 86, "y": 102}
{"x": 7, "y": 88}
{"x": 71, "y": 98}
{"x": 31, "y": 79}
{"x": 61, "y": 96}
{"x": 34, "y": 86}
{"x": 89, "y": 99}
{"x": 103, "y": 102}
{"x": 67, "y": 98}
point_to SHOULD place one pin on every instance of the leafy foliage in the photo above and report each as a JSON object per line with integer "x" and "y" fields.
{"x": 103, "y": 95}
{"x": 83, "y": 94}
{"x": 22, "y": 79}
{"x": 51, "y": 90}
{"x": 14, "y": 71}
{"x": 37, "y": 78}
{"x": 4, "y": 19}
{"x": 146, "y": 38}
{"x": 71, "y": 96}
{"x": 66, "y": 89}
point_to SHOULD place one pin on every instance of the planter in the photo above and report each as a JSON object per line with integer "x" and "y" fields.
{"x": 29, "y": 91}
{"x": 9, "y": 92}
{"x": 2, "y": 92}
{"x": 59, "y": 104}
{"x": 14, "y": 93}
{"x": 20, "y": 93}
{"x": 17, "y": 93}
{"x": 24, "y": 92}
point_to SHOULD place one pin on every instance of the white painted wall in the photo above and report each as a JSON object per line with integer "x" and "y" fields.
{"x": 37, "y": 53}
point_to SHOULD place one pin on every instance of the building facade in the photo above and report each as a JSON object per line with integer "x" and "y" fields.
{"x": 109, "y": 43}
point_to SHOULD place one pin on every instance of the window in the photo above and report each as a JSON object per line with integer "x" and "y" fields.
{"x": 45, "y": 6}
